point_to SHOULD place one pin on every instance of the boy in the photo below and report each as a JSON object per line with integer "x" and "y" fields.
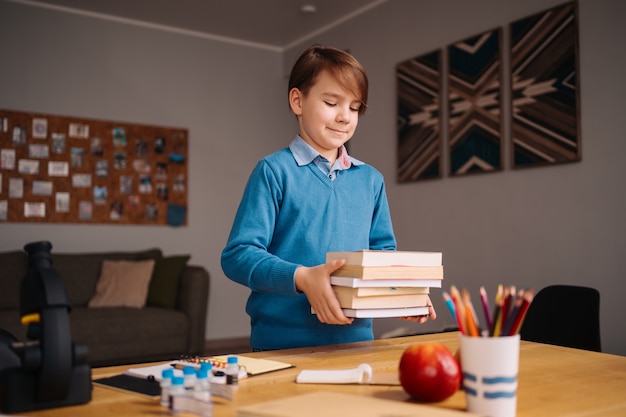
{"x": 304, "y": 201}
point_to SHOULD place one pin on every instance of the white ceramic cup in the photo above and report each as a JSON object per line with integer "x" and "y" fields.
{"x": 490, "y": 366}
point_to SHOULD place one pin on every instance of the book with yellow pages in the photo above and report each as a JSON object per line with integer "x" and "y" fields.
{"x": 335, "y": 404}
{"x": 381, "y": 301}
{"x": 378, "y": 291}
{"x": 390, "y": 272}
{"x": 354, "y": 282}
{"x": 387, "y": 258}
{"x": 374, "y": 313}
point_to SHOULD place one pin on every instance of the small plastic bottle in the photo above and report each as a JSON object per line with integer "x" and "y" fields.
{"x": 202, "y": 389}
{"x": 189, "y": 375}
{"x": 166, "y": 383}
{"x": 206, "y": 366}
{"x": 176, "y": 389}
{"x": 232, "y": 371}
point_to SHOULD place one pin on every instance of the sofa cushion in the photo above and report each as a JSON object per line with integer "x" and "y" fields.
{"x": 123, "y": 284}
{"x": 80, "y": 271}
{"x": 163, "y": 289}
{"x": 14, "y": 266}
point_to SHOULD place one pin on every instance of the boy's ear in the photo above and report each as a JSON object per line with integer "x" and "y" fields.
{"x": 295, "y": 101}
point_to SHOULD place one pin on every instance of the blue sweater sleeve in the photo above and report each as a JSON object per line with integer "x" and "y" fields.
{"x": 246, "y": 258}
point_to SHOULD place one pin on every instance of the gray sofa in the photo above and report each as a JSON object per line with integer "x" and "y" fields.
{"x": 115, "y": 335}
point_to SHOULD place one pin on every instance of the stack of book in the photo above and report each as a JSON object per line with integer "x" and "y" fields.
{"x": 376, "y": 283}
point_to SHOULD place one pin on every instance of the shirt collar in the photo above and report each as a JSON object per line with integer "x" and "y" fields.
{"x": 304, "y": 154}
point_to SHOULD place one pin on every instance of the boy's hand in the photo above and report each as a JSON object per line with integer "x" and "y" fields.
{"x": 314, "y": 282}
{"x": 432, "y": 314}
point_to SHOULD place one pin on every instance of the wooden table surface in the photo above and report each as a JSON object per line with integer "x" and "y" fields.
{"x": 553, "y": 381}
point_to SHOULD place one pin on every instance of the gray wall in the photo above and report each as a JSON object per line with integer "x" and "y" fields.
{"x": 231, "y": 98}
{"x": 560, "y": 224}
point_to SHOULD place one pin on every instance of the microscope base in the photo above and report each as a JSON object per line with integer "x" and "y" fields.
{"x": 17, "y": 390}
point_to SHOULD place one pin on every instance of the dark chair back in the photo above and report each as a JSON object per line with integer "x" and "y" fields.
{"x": 564, "y": 315}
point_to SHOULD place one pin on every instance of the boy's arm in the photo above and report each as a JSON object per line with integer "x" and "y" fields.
{"x": 246, "y": 259}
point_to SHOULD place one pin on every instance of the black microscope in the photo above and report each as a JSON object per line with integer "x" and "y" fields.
{"x": 48, "y": 370}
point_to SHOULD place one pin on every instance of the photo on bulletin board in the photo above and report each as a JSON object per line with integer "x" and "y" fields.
{"x": 419, "y": 117}
{"x": 63, "y": 169}
{"x": 474, "y": 104}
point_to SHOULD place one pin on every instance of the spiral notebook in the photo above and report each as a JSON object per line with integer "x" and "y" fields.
{"x": 252, "y": 366}
{"x": 144, "y": 380}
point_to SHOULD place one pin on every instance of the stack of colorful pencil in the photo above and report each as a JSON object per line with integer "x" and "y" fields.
{"x": 506, "y": 318}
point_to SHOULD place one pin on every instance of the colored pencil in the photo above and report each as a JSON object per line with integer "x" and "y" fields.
{"x": 510, "y": 308}
{"x": 459, "y": 308}
{"x": 450, "y": 306}
{"x": 506, "y": 329}
{"x": 507, "y": 298}
{"x": 497, "y": 313}
{"x": 485, "y": 303}
{"x": 470, "y": 315}
{"x": 517, "y": 325}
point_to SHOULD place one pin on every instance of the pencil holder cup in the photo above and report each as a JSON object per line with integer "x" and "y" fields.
{"x": 490, "y": 366}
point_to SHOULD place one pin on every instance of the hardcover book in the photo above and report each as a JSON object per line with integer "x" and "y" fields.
{"x": 387, "y": 258}
{"x": 378, "y": 291}
{"x": 373, "y": 313}
{"x": 390, "y": 272}
{"x": 355, "y": 282}
{"x": 382, "y": 301}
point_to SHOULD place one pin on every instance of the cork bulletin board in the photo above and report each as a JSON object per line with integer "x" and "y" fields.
{"x": 60, "y": 169}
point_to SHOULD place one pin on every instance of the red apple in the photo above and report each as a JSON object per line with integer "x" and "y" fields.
{"x": 429, "y": 372}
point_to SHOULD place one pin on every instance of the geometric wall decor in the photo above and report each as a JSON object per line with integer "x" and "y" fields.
{"x": 474, "y": 103}
{"x": 59, "y": 169}
{"x": 545, "y": 88}
{"x": 419, "y": 117}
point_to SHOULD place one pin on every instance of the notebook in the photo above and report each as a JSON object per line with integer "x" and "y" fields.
{"x": 334, "y": 404}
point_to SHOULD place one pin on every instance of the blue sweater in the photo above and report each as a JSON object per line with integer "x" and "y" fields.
{"x": 292, "y": 215}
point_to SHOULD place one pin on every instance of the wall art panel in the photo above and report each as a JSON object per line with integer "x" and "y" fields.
{"x": 544, "y": 88}
{"x": 474, "y": 103}
{"x": 419, "y": 117}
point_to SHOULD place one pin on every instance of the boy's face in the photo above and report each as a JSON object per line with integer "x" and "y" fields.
{"x": 327, "y": 115}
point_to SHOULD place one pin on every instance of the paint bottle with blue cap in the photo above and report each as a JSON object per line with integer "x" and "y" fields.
{"x": 232, "y": 370}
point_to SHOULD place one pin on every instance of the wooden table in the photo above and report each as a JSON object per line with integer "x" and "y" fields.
{"x": 553, "y": 381}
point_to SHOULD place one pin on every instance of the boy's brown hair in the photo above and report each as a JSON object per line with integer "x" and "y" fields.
{"x": 339, "y": 64}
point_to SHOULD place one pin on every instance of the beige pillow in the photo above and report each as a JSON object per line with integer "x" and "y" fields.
{"x": 123, "y": 284}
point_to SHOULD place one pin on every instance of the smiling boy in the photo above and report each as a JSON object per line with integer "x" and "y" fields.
{"x": 303, "y": 201}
